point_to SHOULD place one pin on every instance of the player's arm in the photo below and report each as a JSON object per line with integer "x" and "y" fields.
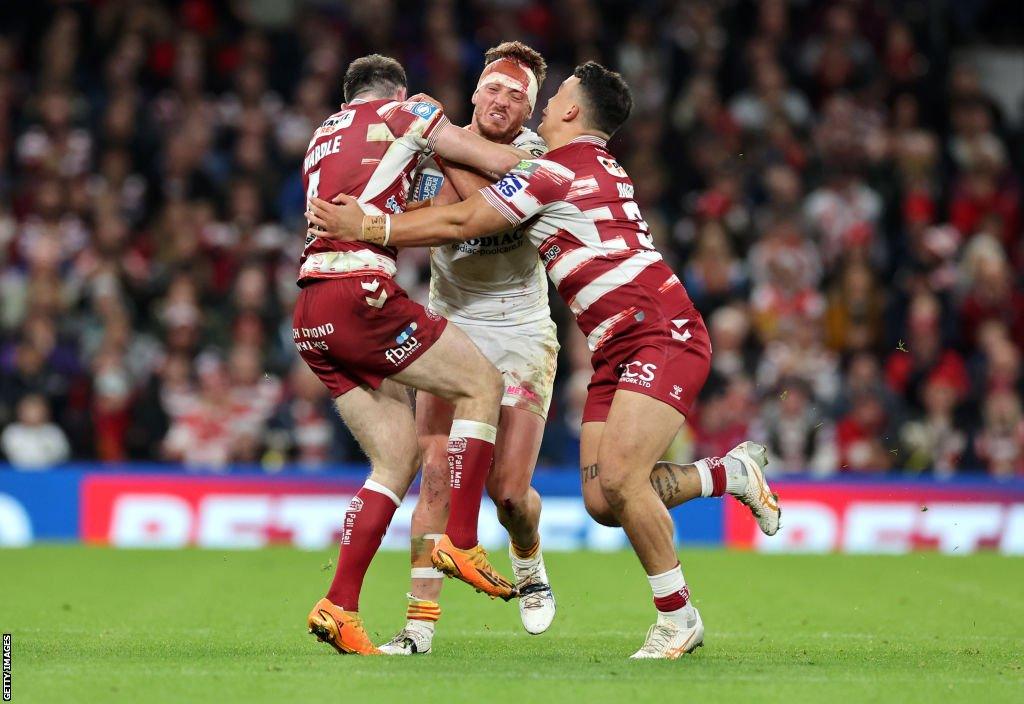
{"x": 464, "y": 181}
{"x": 425, "y": 227}
{"x": 465, "y": 147}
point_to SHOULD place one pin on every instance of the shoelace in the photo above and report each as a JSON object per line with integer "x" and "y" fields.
{"x": 402, "y": 638}
{"x": 533, "y": 596}
{"x": 658, "y": 638}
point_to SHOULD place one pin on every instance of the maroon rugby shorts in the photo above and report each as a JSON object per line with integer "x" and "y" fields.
{"x": 360, "y": 330}
{"x": 668, "y": 359}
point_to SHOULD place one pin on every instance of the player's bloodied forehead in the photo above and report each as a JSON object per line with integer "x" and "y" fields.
{"x": 512, "y": 75}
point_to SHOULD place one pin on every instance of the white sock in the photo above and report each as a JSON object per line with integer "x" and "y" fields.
{"x": 422, "y": 626}
{"x": 668, "y": 584}
{"x": 704, "y": 472}
{"x": 426, "y": 573}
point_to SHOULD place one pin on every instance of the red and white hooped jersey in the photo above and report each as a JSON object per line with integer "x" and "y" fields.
{"x": 578, "y": 209}
{"x": 368, "y": 149}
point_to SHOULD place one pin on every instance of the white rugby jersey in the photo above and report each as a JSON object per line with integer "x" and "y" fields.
{"x": 493, "y": 280}
{"x": 578, "y": 209}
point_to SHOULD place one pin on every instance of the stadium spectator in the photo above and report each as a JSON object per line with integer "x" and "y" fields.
{"x": 798, "y": 435}
{"x": 32, "y": 441}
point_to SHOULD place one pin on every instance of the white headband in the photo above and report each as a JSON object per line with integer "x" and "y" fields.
{"x": 511, "y": 74}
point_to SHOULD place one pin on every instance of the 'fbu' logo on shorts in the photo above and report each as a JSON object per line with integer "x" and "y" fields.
{"x": 406, "y": 334}
{"x": 407, "y": 344}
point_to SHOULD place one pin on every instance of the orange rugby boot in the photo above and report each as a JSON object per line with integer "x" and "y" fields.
{"x": 342, "y": 630}
{"x": 472, "y": 567}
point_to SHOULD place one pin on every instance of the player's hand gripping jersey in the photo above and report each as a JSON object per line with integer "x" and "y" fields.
{"x": 493, "y": 279}
{"x": 369, "y": 150}
{"x": 578, "y": 210}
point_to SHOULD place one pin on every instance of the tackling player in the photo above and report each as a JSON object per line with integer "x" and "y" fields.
{"x": 364, "y": 338}
{"x": 651, "y": 352}
{"x": 495, "y": 290}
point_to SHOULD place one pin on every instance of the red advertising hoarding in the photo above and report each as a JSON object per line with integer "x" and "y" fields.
{"x": 886, "y": 518}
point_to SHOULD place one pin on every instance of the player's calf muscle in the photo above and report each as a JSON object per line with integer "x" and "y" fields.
{"x": 675, "y": 483}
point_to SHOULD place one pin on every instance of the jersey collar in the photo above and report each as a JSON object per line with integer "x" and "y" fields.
{"x": 589, "y": 139}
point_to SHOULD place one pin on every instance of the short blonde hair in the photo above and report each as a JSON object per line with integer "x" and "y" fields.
{"x": 521, "y": 53}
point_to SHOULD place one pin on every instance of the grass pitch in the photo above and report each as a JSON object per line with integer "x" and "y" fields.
{"x": 98, "y": 625}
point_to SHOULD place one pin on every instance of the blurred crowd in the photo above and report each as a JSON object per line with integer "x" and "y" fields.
{"x": 833, "y": 180}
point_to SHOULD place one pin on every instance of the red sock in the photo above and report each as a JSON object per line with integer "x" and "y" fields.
{"x": 674, "y": 601}
{"x": 670, "y": 590}
{"x": 366, "y": 521}
{"x": 712, "y": 476}
{"x": 470, "y": 453}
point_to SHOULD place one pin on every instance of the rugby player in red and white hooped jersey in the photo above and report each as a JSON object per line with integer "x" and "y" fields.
{"x": 494, "y": 288}
{"x": 366, "y": 340}
{"x": 651, "y": 352}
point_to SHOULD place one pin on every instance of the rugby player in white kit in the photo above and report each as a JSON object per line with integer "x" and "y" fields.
{"x": 495, "y": 289}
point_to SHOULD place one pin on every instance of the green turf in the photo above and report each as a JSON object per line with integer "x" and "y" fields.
{"x": 96, "y": 625}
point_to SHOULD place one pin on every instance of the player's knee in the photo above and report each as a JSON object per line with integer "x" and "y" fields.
{"x": 507, "y": 493}
{"x": 614, "y": 489}
{"x": 600, "y": 511}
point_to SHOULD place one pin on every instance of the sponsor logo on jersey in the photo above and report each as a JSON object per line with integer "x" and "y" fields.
{"x": 676, "y": 390}
{"x": 457, "y": 446}
{"x": 612, "y": 167}
{"x": 549, "y": 256}
{"x": 392, "y": 205}
{"x": 334, "y": 123}
{"x": 625, "y": 189}
{"x": 427, "y": 186}
{"x": 525, "y": 167}
{"x": 424, "y": 111}
{"x": 509, "y": 186}
{"x": 407, "y": 344}
{"x": 492, "y": 244}
{"x": 637, "y": 372}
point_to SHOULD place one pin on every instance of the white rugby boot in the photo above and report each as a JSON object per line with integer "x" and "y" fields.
{"x": 536, "y": 602}
{"x": 755, "y": 493}
{"x": 667, "y": 640}
{"x": 415, "y": 639}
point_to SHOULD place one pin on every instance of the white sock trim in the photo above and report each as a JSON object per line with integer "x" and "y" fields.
{"x": 426, "y": 573}
{"x": 707, "y": 484}
{"x": 473, "y": 429}
{"x": 433, "y": 536}
{"x": 381, "y": 489}
{"x": 667, "y": 582}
